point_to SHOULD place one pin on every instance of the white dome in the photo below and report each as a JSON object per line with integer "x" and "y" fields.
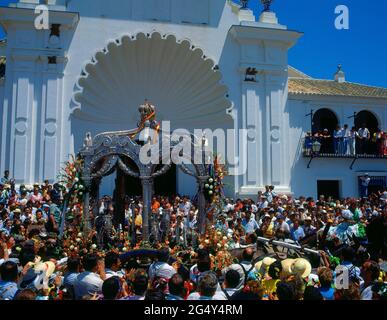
{"x": 173, "y": 75}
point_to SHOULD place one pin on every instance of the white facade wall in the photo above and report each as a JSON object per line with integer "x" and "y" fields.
{"x": 41, "y": 122}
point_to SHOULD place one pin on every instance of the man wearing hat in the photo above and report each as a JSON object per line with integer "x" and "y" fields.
{"x": 309, "y": 229}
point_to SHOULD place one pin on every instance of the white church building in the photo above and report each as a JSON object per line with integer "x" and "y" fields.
{"x": 203, "y": 64}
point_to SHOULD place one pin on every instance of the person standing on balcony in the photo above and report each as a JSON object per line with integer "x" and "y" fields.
{"x": 346, "y": 139}
{"x": 384, "y": 143}
{"x": 353, "y": 135}
{"x": 325, "y": 138}
{"x": 337, "y": 140}
{"x": 364, "y": 137}
{"x": 377, "y": 139}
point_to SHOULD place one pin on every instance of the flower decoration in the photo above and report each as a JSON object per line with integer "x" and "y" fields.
{"x": 214, "y": 187}
{"x": 70, "y": 178}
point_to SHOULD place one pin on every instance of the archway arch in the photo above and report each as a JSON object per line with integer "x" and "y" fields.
{"x": 324, "y": 119}
{"x": 175, "y": 74}
{"x": 368, "y": 119}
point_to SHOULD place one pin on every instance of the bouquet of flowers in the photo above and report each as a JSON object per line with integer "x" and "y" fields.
{"x": 216, "y": 242}
{"x": 71, "y": 178}
{"x": 215, "y": 185}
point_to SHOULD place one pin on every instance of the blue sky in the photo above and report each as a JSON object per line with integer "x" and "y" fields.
{"x": 362, "y": 50}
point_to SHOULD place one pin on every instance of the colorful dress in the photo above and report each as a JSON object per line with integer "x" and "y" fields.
{"x": 384, "y": 144}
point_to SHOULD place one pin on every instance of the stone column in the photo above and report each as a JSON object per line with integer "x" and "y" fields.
{"x": 49, "y": 122}
{"x": 251, "y": 120}
{"x": 263, "y": 62}
{"x": 19, "y": 149}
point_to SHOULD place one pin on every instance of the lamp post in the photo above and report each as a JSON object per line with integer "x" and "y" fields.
{"x": 316, "y": 147}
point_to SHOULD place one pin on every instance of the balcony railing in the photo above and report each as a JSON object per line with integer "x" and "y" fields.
{"x": 318, "y": 148}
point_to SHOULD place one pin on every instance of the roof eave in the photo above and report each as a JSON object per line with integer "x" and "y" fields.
{"x": 303, "y": 94}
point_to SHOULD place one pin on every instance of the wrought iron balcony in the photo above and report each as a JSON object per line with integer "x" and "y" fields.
{"x": 313, "y": 148}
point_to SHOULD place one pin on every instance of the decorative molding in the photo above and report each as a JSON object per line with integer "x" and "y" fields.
{"x": 193, "y": 81}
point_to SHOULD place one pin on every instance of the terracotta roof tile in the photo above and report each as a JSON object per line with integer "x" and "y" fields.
{"x": 333, "y": 88}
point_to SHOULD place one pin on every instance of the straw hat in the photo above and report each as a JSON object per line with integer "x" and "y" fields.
{"x": 301, "y": 267}
{"x": 264, "y": 264}
{"x": 44, "y": 271}
{"x": 286, "y": 265}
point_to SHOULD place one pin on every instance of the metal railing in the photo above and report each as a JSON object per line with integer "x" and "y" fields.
{"x": 330, "y": 148}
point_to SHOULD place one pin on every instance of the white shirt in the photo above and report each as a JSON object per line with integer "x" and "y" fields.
{"x": 365, "y": 181}
{"x": 228, "y": 207}
{"x": 338, "y": 133}
{"x": 363, "y": 132}
{"x": 346, "y": 133}
{"x": 110, "y": 273}
{"x": 283, "y": 227}
{"x": 87, "y": 283}
{"x": 162, "y": 270}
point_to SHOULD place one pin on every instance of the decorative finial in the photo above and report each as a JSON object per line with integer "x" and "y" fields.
{"x": 340, "y": 74}
{"x": 266, "y": 5}
{"x": 244, "y": 4}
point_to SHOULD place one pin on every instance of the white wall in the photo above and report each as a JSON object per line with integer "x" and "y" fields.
{"x": 303, "y": 180}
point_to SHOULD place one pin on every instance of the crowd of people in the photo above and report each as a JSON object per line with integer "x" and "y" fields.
{"x": 346, "y": 141}
{"x": 253, "y": 249}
